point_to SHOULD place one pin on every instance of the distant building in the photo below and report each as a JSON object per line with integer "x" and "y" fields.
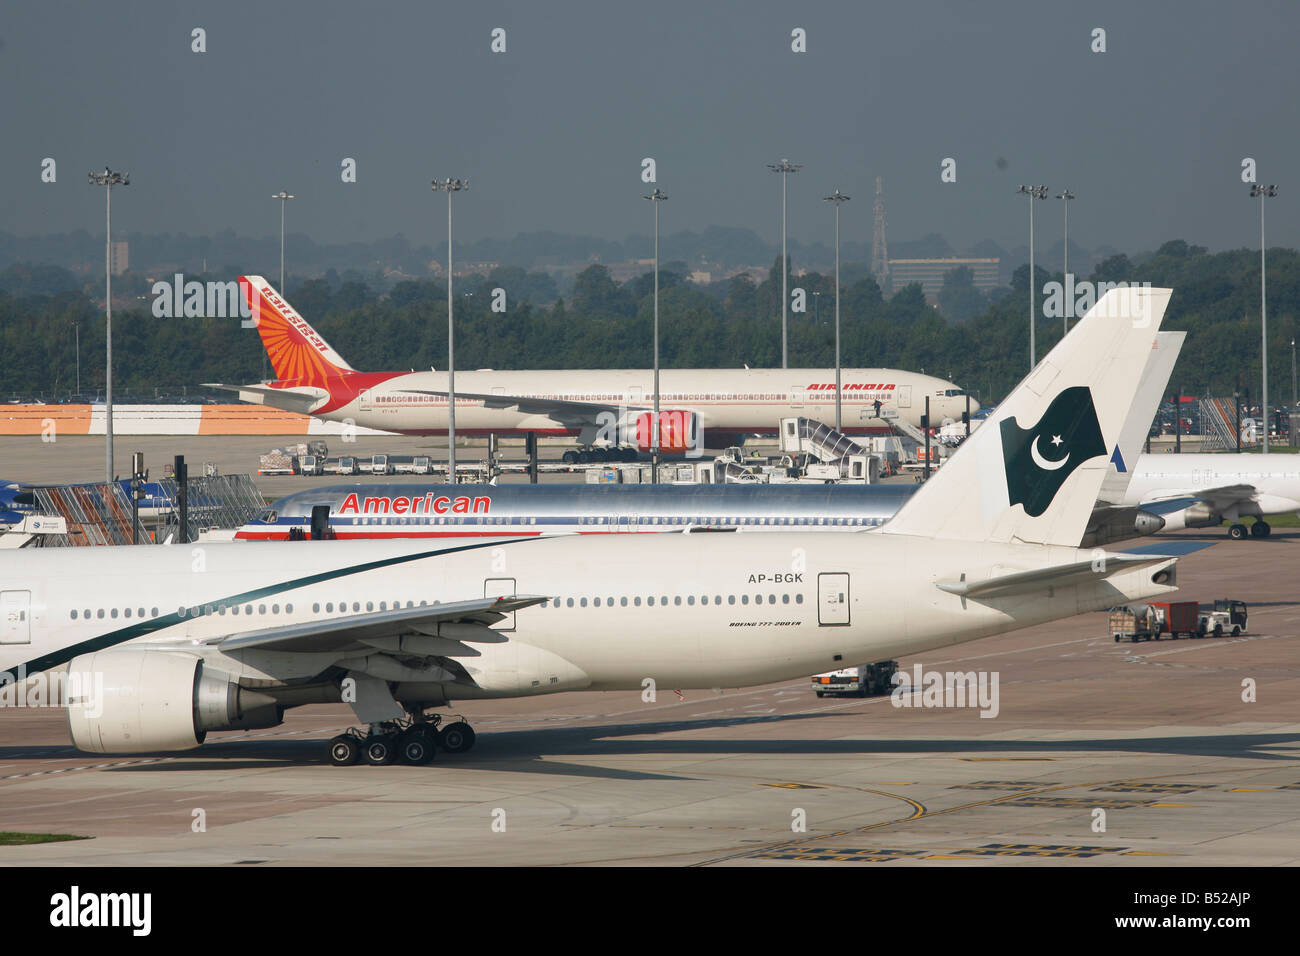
{"x": 701, "y": 277}
{"x": 119, "y": 256}
{"x": 930, "y": 273}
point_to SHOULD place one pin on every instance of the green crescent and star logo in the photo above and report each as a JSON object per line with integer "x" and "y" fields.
{"x": 1038, "y": 459}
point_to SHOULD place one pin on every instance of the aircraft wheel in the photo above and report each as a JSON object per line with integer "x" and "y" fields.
{"x": 1237, "y": 531}
{"x": 1260, "y": 529}
{"x": 344, "y": 750}
{"x": 456, "y": 738}
{"x": 415, "y": 747}
{"x": 569, "y": 457}
{"x": 380, "y": 751}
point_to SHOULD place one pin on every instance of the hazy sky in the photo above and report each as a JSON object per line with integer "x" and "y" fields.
{"x": 1149, "y": 134}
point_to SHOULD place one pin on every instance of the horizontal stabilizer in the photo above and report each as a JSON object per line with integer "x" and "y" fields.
{"x": 1038, "y": 579}
{"x": 300, "y": 399}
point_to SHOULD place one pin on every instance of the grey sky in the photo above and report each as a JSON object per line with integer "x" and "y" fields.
{"x": 1150, "y": 134}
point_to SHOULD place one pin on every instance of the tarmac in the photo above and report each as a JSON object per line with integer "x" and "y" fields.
{"x": 1169, "y": 753}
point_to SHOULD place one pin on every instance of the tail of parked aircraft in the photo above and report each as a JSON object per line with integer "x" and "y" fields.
{"x": 1032, "y": 472}
{"x": 298, "y": 353}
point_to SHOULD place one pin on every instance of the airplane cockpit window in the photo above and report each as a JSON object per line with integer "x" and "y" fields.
{"x": 267, "y": 517}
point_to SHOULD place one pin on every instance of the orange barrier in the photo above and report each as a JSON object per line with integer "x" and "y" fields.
{"x": 154, "y": 420}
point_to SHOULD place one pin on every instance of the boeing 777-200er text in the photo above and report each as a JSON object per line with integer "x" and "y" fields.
{"x": 605, "y": 406}
{"x": 167, "y": 643}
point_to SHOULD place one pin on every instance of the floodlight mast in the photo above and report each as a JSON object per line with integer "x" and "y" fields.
{"x": 450, "y": 186}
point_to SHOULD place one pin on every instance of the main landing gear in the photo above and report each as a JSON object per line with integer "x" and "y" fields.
{"x": 1260, "y": 529}
{"x": 414, "y": 741}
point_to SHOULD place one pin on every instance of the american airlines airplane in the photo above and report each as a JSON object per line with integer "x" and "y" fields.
{"x": 609, "y": 405}
{"x": 418, "y": 510}
{"x": 162, "y": 644}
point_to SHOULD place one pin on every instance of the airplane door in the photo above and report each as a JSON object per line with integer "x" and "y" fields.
{"x": 832, "y": 599}
{"x": 634, "y": 395}
{"x": 15, "y": 617}
{"x": 365, "y": 399}
{"x": 626, "y": 523}
{"x": 796, "y": 396}
{"x": 904, "y": 399}
{"x": 501, "y": 587}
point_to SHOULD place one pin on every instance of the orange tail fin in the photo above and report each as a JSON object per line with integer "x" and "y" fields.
{"x": 297, "y": 351}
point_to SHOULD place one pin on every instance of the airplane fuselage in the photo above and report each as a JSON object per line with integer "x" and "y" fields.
{"x": 727, "y": 401}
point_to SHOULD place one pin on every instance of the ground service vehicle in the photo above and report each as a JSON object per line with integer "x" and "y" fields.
{"x": 1147, "y": 622}
{"x": 865, "y": 680}
{"x": 1227, "y": 617}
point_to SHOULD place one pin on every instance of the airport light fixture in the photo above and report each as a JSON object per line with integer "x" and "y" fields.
{"x": 284, "y": 198}
{"x": 837, "y": 198}
{"x": 108, "y": 179}
{"x": 1033, "y": 192}
{"x": 450, "y": 186}
{"x": 784, "y": 167}
{"x": 1261, "y": 193}
{"x": 656, "y": 198}
{"x": 1065, "y": 196}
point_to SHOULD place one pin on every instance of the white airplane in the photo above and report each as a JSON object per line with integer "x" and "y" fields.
{"x": 609, "y": 405}
{"x": 171, "y": 642}
{"x": 1203, "y": 490}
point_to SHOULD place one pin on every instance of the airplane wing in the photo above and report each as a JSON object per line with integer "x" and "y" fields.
{"x": 1221, "y": 498}
{"x": 301, "y": 399}
{"x": 576, "y": 413}
{"x": 350, "y": 632}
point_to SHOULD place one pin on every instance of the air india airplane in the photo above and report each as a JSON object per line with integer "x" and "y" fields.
{"x": 598, "y": 406}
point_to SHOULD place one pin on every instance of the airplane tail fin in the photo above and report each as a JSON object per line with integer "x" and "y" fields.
{"x": 298, "y": 353}
{"x": 1033, "y": 470}
{"x": 1155, "y": 377}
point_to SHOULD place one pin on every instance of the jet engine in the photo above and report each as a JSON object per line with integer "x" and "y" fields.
{"x": 1198, "y": 515}
{"x": 1120, "y": 524}
{"x": 137, "y": 700}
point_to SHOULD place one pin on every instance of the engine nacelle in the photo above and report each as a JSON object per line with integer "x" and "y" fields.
{"x": 679, "y": 430}
{"x": 1120, "y": 524}
{"x": 1199, "y": 515}
{"x": 139, "y": 700}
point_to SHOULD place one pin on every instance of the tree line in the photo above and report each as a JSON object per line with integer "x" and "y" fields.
{"x": 979, "y": 341}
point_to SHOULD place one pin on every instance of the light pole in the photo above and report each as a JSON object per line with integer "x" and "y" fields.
{"x": 450, "y": 186}
{"x": 109, "y": 179}
{"x": 656, "y": 198}
{"x": 1293, "y": 396}
{"x": 784, "y": 167}
{"x": 1262, "y": 193}
{"x": 1065, "y": 198}
{"x": 817, "y": 308}
{"x": 837, "y": 198}
{"x": 1033, "y": 192}
{"x": 77, "y": 338}
{"x": 284, "y": 198}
